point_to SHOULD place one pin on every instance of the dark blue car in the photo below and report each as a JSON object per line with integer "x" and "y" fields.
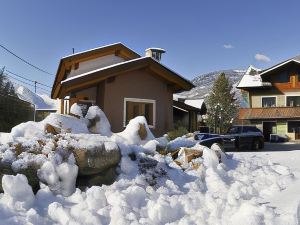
{"x": 209, "y": 139}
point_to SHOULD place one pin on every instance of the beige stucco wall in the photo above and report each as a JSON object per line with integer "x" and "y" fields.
{"x": 143, "y": 85}
{"x": 94, "y": 64}
{"x": 257, "y": 100}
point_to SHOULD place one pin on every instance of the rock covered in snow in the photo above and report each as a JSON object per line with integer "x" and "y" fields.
{"x": 178, "y": 143}
{"x": 99, "y": 123}
{"x": 137, "y": 131}
{"x": 67, "y": 124}
{"x": 97, "y": 158}
{"x": 53, "y": 123}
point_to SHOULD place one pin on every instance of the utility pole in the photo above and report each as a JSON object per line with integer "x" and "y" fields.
{"x": 35, "y": 82}
{"x": 73, "y": 50}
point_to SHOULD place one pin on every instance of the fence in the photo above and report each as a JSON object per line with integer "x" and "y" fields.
{"x": 14, "y": 111}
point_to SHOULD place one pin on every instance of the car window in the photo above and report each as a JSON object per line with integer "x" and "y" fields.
{"x": 200, "y": 136}
{"x": 233, "y": 130}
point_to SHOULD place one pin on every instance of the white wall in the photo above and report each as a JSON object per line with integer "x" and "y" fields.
{"x": 94, "y": 64}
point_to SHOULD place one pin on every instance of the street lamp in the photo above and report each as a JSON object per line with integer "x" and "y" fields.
{"x": 217, "y": 107}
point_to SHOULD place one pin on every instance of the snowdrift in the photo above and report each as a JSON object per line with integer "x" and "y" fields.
{"x": 74, "y": 156}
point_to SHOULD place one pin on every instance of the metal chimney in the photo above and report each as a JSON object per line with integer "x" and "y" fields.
{"x": 155, "y": 53}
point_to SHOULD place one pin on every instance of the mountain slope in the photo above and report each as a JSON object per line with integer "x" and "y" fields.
{"x": 204, "y": 83}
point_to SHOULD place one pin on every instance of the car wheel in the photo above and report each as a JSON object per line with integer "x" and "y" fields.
{"x": 261, "y": 145}
{"x": 237, "y": 145}
{"x": 255, "y": 144}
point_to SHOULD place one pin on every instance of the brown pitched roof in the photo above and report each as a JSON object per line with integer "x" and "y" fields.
{"x": 117, "y": 49}
{"x": 269, "y": 113}
{"x": 295, "y": 59}
{"x": 90, "y": 78}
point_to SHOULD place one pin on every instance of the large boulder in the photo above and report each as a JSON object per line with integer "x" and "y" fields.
{"x": 106, "y": 177}
{"x": 97, "y": 158}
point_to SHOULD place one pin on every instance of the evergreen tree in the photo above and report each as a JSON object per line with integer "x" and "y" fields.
{"x": 2, "y": 79}
{"x": 222, "y": 107}
{"x": 6, "y": 87}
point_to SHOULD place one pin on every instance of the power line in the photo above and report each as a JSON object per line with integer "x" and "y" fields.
{"x": 18, "y": 75}
{"x": 25, "y": 61}
{"x": 28, "y": 83}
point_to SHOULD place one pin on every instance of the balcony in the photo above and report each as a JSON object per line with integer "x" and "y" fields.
{"x": 269, "y": 113}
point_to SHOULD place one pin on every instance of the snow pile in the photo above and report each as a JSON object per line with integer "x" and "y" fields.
{"x": 230, "y": 193}
{"x": 66, "y": 124}
{"x": 99, "y": 122}
{"x": 132, "y": 131}
{"x": 60, "y": 176}
{"x": 180, "y": 142}
{"x": 150, "y": 189}
{"x": 18, "y": 194}
{"x": 76, "y": 110}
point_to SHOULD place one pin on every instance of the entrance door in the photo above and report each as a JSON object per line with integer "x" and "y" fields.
{"x": 269, "y": 128}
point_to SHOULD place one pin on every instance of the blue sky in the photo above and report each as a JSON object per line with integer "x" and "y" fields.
{"x": 193, "y": 33}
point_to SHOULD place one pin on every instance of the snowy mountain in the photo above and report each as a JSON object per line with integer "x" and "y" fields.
{"x": 204, "y": 83}
{"x": 40, "y": 101}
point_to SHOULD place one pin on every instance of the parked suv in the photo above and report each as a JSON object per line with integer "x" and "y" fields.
{"x": 245, "y": 137}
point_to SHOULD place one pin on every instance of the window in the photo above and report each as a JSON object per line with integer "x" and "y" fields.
{"x": 293, "y": 126}
{"x": 283, "y": 77}
{"x": 139, "y": 107}
{"x": 66, "y": 105}
{"x": 268, "y": 101}
{"x": 292, "y": 101}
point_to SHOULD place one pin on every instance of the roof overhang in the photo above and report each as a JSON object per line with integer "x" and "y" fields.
{"x": 278, "y": 66}
{"x": 118, "y": 49}
{"x": 174, "y": 80}
{"x": 184, "y": 107}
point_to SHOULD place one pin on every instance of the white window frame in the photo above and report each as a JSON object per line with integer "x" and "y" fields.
{"x": 140, "y": 100}
{"x": 268, "y": 97}
{"x": 67, "y": 105}
{"x": 287, "y": 125}
{"x": 290, "y": 96}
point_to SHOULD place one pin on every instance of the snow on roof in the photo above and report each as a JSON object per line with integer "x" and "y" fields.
{"x": 121, "y": 63}
{"x": 40, "y": 101}
{"x": 100, "y": 69}
{"x": 194, "y": 102}
{"x": 252, "y": 78}
{"x": 158, "y": 49}
{"x": 105, "y": 46}
{"x": 197, "y": 103}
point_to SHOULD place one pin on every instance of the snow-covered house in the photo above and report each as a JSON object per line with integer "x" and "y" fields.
{"x": 273, "y": 97}
{"x": 122, "y": 83}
